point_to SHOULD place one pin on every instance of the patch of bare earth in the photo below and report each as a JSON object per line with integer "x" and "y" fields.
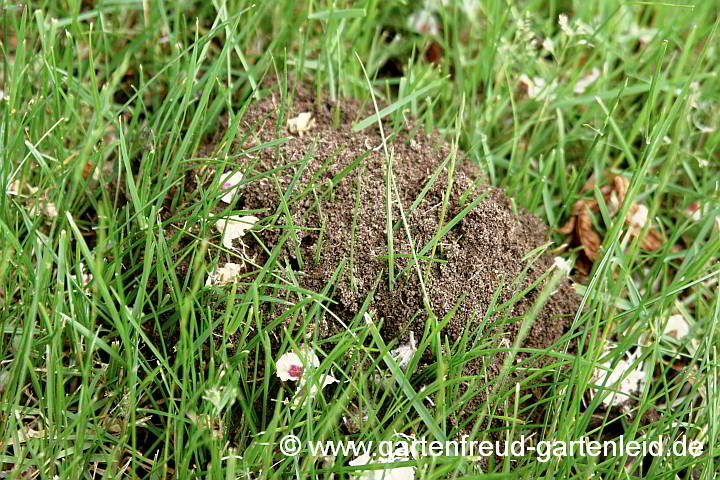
{"x": 337, "y": 211}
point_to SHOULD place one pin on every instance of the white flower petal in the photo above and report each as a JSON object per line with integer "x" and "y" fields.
{"x": 423, "y": 22}
{"x": 562, "y": 264}
{"x": 404, "y": 353}
{"x": 363, "y": 459}
{"x": 535, "y": 86}
{"x": 697, "y": 211}
{"x": 309, "y": 355}
{"x": 301, "y": 124}
{"x": 85, "y": 277}
{"x": 224, "y": 275}
{"x": 582, "y": 84}
{"x": 290, "y": 367}
{"x": 44, "y": 207}
{"x": 234, "y": 227}
{"x": 623, "y": 389}
{"x": 49, "y": 209}
{"x": 638, "y": 218}
{"x": 397, "y": 473}
{"x": 304, "y": 394}
{"x": 676, "y": 327}
{"x": 229, "y": 182}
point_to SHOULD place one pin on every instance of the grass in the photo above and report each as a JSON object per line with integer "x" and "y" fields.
{"x": 94, "y": 386}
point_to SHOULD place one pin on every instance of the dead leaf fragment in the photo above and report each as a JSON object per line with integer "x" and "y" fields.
{"x": 653, "y": 240}
{"x": 301, "y": 124}
{"x": 580, "y": 221}
{"x": 568, "y": 227}
{"x": 589, "y": 240}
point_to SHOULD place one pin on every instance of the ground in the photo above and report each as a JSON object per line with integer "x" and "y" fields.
{"x": 336, "y": 243}
{"x": 226, "y": 225}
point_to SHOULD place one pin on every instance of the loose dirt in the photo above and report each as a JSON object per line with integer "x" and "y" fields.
{"x": 337, "y": 214}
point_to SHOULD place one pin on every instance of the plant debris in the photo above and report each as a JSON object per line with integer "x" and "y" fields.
{"x": 622, "y": 383}
{"x": 229, "y": 182}
{"x": 37, "y": 206}
{"x": 301, "y": 124}
{"x": 580, "y": 221}
{"x": 234, "y": 227}
{"x": 293, "y": 367}
{"x": 676, "y": 327}
{"x": 391, "y": 473}
{"x": 583, "y": 84}
{"x": 404, "y": 353}
{"x": 225, "y": 274}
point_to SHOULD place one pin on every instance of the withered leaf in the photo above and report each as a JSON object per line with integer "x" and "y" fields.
{"x": 589, "y": 240}
{"x": 614, "y": 193}
{"x": 568, "y": 227}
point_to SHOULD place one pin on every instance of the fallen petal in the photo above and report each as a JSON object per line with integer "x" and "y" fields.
{"x": 234, "y": 227}
{"x": 229, "y": 183}
{"x": 676, "y": 327}
{"x": 423, "y": 22}
{"x": 290, "y": 367}
{"x": 301, "y": 124}
{"x": 397, "y": 473}
{"x": 224, "y": 275}
{"x": 582, "y": 84}
{"x": 611, "y": 379}
{"x": 637, "y": 217}
{"x": 404, "y": 353}
{"x": 562, "y": 264}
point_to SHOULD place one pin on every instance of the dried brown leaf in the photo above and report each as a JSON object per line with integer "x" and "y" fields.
{"x": 620, "y": 186}
{"x": 589, "y": 185}
{"x": 568, "y": 227}
{"x": 652, "y": 240}
{"x": 583, "y": 205}
{"x": 589, "y": 239}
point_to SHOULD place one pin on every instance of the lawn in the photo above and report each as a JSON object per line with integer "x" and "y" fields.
{"x": 233, "y": 233}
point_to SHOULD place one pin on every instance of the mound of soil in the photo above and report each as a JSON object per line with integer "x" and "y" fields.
{"x": 337, "y": 207}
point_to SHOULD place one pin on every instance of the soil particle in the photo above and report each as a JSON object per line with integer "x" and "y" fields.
{"x": 337, "y": 209}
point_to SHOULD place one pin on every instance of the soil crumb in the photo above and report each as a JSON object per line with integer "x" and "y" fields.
{"x": 334, "y": 184}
